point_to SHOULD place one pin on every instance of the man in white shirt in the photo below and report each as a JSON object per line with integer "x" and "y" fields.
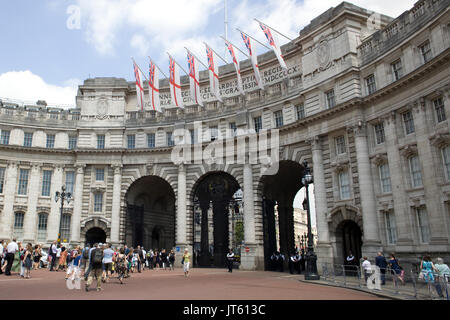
{"x": 10, "y": 251}
{"x": 367, "y": 268}
{"x": 230, "y": 259}
{"x": 52, "y": 252}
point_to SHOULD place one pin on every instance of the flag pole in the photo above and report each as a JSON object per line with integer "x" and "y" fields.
{"x": 216, "y": 53}
{"x": 254, "y": 39}
{"x": 158, "y": 68}
{"x": 273, "y": 29}
{"x": 197, "y": 58}
{"x": 178, "y": 64}
{"x": 236, "y": 47}
{"x": 139, "y": 68}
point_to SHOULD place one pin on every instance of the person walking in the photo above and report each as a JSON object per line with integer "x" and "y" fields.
{"x": 52, "y": 252}
{"x": 380, "y": 262}
{"x": 396, "y": 269}
{"x": 292, "y": 263}
{"x": 88, "y": 271}
{"x": 427, "y": 270}
{"x": 230, "y": 260}
{"x": 11, "y": 250}
{"x": 73, "y": 270}
{"x": 444, "y": 274}
{"x": 163, "y": 258}
{"x": 96, "y": 268}
{"x": 84, "y": 257}
{"x": 63, "y": 258}
{"x": 27, "y": 260}
{"x": 107, "y": 262}
{"x": 36, "y": 257}
{"x": 172, "y": 260}
{"x": 367, "y": 267}
{"x": 186, "y": 261}
{"x": 120, "y": 265}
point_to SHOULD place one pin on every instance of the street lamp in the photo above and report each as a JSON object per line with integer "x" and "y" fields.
{"x": 311, "y": 258}
{"x": 64, "y": 197}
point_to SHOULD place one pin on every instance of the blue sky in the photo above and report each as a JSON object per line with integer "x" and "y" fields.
{"x": 41, "y": 58}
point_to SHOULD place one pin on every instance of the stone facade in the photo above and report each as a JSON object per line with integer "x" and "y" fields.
{"x": 367, "y": 108}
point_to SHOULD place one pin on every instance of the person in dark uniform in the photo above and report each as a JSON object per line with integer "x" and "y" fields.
{"x": 297, "y": 266}
{"x": 351, "y": 264}
{"x": 292, "y": 263}
{"x": 281, "y": 259}
{"x": 230, "y": 260}
{"x": 303, "y": 260}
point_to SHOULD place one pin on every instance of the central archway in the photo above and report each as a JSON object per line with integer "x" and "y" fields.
{"x": 150, "y": 219}
{"x": 95, "y": 235}
{"x": 213, "y": 194}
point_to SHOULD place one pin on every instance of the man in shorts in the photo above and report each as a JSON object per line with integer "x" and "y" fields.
{"x": 108, "y": 254}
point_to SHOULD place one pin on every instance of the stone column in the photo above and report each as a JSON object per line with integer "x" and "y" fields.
{"x": 115, "y": 213}
{"x": 248, "y": 259}
{"x": 367, "y": 193}
{"x": 181, "y": 222}
{"x": 55, "y": 210}
{"x": 30, "y": 220}
{"x": 77, "y": 203}
{"x": 8, "y": 200}
{"x": 323, "y": 249}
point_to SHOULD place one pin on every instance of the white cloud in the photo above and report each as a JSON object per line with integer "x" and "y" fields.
{"x": 139, "y": 42}
{"x": 26, "y": 86}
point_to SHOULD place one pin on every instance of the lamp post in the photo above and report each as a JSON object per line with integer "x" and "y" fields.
{"x": 64, "y": 197}
{"x": 311, "y": 258}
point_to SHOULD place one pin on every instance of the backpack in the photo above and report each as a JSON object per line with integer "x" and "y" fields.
{"x": 97, "y": 257}
{"x": 86, "y": 253}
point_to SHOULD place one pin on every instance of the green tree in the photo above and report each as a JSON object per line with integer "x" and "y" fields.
{"x": 239, "y": 232}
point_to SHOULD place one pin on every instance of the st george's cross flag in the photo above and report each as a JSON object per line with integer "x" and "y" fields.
{"x": 175, "y": 84}
{"x": 253, "y": 60}
{"x": 273, "y": 42}
{"x": 139, "y": 86}
{"x": 153, "y": 84}
{"x": 194, "y": 80}
{"x": 236, "y": 66}
{"x": 213, "y": 73}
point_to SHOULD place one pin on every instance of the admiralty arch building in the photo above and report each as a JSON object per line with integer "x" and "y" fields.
{"x": 365, "y": 100}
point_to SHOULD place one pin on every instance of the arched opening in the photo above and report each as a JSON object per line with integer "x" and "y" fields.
{"x": 150, "y": 207}
{"x": 95, "y": 235}
{"x": 348, "y": 238}
{"x": 217, "y": 218}
{"x": 278, "y": 193}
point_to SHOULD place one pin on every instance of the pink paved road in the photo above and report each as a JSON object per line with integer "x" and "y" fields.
{"x": 207, "y": 284}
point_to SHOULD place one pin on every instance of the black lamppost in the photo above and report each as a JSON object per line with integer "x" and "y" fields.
{"x": 311, "y": 258}
{"x": 64, "y": 197}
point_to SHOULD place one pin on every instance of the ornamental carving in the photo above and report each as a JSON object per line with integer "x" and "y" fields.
{"x": 102, "y": 108}
{"x": 323, "y": 55}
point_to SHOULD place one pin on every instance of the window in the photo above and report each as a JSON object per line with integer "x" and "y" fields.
{"x": 98, "y": 202}
{"x": 422, "y": 224}
{"x": 42, "y": 227}
{"x": 70, "y": 181}
{"x": 28, "y": 139}
{"x": 340, "y": 145}
{"x": 72, "y": 142}
{"x": 379, "y": 133}
{"x": 278, "y": 118}
{"x": 233, "y": 129}
{"x": 214, "y": 133}
{"x": 416, "y": 174}
{"x": 344, "y": 185}
{"x": 300, "y": 109}
{"x": 4, "y": 138}
{"x": 391, "y": 230}
{"x": 425, "y": 50}
{"x": 50, "y": 141}
{"x": 65, "y": 228}
{"x": 331, "y": 102}
{"x": 445, "y": 154}
{"x": 397, "y": 69}
{"x": 170, "y": 141}
{"x": 193, "y": 133}
{"x": 150, "y": 140}
{"x": 2, "y": 179}
{"x": 131, "y": 141}
{"x": 101, "y": 141}
{"x": 409, "y": 122}
{"x": 258, "y": 123}
{"x": 385, "y": 178}
{"x": 46, "y": 183}
{"x": 370, "y": 84}
{"x": 99, "y": 174}
{"x": 18, "y": 224}
{"x": 440, "y": 111}
{"x": 23, "y": 181}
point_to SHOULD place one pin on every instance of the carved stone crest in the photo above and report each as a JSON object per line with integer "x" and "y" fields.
{"x": 102, "y": 108}
{"x": 323, "y": 54}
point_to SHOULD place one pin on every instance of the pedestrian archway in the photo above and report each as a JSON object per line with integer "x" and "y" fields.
{"x": 214, "y": 209}
{"x": 150, "y": 210}
{"x": 95, "y": 235}
{"x": 348, "y": 238}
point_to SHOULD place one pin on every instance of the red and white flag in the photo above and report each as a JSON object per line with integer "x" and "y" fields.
{"x": 213, "y": 73}
{"x": 153, "y": 84}
{"x": 194, "y": 79}
{"x": 274, "y": 44}
{"x": 139, "y": 86}
{"x": 236, "y": 66}
{"x": 175, "y": 84}
{"x": 253, "y": 59}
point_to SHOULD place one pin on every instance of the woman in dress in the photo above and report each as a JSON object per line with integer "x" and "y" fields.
{"x": 17, "y": 263}
{"x": 27, "y": 262}
{"x": 428, "y": 269}
{"x": 186, "y": 261}
{"x": 63, "y": 259}
{"x": 396, "y": 270}
{"x": 120, "y": 264}
{"x": 36, "y": 257}
{"x": 172, "y": 259}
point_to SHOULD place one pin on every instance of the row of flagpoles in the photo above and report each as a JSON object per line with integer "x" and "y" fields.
{"x": 213, "y": 68}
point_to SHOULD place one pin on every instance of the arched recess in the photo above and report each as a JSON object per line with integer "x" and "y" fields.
{"x": 278, "y": 192}
{"x": 150, "y": 202}
{"x": 95, "y": 223}
{"x": 346, "y": 232}
{"x": 212, "y": 195}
